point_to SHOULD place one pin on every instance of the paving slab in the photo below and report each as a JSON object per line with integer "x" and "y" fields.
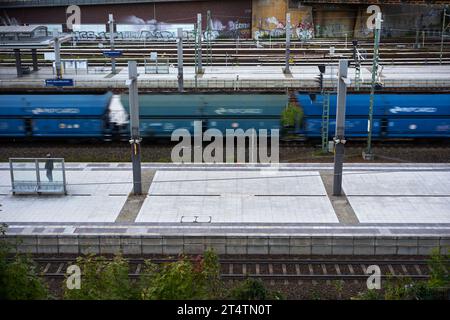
{"x": 397, "y": 183}
{"x": 93, "y": 196}
{"x": 401, "y": 209}
{"x": 236, "y": 196}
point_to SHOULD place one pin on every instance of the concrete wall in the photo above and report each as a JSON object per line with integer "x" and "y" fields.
{"x": 270, "y": 15}
{"x": 225, "y": 14}
{"x": 266, "y": 16}
{"x": 327, "y": 245}
{"x": 338, "y": 20}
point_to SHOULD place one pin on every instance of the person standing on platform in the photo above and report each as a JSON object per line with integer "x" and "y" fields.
{"x": 49, "y": 168}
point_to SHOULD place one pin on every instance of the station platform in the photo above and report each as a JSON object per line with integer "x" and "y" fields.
{"x": 289, "y": 209}
{"x": 236, "y": 78}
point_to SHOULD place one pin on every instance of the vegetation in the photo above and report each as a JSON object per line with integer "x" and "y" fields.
{"x": 253, "y": 289}
{"x": 19, "y": 279}
{"x": 184, "y": 279}
{"x": 291, "y": 116}
{"x": 102, "y": 280}
{"x": 437, "y": 287}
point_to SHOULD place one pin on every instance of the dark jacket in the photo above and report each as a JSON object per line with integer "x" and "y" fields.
{"x": 49, "y": 165}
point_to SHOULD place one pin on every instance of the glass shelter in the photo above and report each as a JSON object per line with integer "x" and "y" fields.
{"x": 38, "y": 175}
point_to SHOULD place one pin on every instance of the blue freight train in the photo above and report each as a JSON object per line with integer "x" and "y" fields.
{"x": 105, "y": 116}
{"x": 395, "y": 116}
{"x": 55, "y": 116}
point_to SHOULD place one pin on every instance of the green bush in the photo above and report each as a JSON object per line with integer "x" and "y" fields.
{"x": 439, "y": 270}
{"x": 184, "y": 279}
{"x": 102, "y": 280}
{"x": 253, "y": 289}
{"x": 174, "y": 281}
{"x": 372, "y": 294}
{"x": 291, "y": 116}
{"x": 19, "y": 279}
{"x": 437, "y": 287}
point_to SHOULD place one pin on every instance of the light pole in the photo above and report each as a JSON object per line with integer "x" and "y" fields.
{"x": 368, "y": 154}
{"x": 135, "y": 140}
{"x": 288, "y": 43}
{"x": 180, "y": 58}
{"x": 444, "y": 29}
{"x": 111, "y": 42}
{"x": 199, "y": 44}
{"x": 339, "y": 139}
{"x": 57, "y": 58}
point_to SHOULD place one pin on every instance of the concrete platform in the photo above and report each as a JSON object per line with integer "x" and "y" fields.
{"x": 236, "y": 78}
{"x": 92, "y": 197}
{"x": 236, "y": 197}
{"x": 401, "y": 209}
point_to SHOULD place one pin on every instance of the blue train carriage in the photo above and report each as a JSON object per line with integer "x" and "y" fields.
{"x": 55, "y": 115}
{"x": 395, "y": 116}
{"x": 160, "y": 114}
{"x": 417, "y": 115}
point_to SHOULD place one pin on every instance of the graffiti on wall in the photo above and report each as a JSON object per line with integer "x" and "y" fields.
{"x": 305, "y": 30}
{"x": 272, "y": 27}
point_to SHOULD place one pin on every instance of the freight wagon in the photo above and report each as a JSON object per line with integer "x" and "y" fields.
{"x": 394, "y": 115}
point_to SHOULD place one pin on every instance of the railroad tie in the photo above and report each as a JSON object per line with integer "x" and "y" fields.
{"x": 352, "y": 272}
{"x": 283, "y": 266}
{"x": 311, "y": 272}
{"x": 272, "y": 282}
{"x": 46, "y": 268}
{"x": 391, "y": 269}
{"x": 297, "y": 270}
{"x": 405, "y": 271}
{"x": 138, "y": 269}
{"x": 325, "y": 272}
{"x": 230, "y": 269}
{"x": 419, "y": 272}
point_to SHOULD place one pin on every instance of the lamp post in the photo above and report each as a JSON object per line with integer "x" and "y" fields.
{"x": 368, "y": 153}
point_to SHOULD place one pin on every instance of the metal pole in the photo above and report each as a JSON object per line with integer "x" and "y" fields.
{"x": 18, "y": 62}
{"x": 208, "y": 29}
{"x": 134, "y": 126}
{"x": 111, "y": 42}
{"x": 199, "y": 43}
{"x": 57, "y": 58}
{"x": 288, "y": 42}
{"x": 339, "y": 138}
{"x": 180, "y": 59}
{"x": 367, "y": 154}
{"x": 442, "y": 35}
{"x": 35, "y": 60}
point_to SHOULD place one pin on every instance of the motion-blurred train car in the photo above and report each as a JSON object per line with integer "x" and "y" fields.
{"x": 160, "y": 114}
{"x": 55, "y": 116}
{"x": 394, "y": 115}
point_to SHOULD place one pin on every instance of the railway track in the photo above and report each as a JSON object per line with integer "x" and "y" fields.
{"x": 222, "y": 53}
{"x": 276, "y": 269}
